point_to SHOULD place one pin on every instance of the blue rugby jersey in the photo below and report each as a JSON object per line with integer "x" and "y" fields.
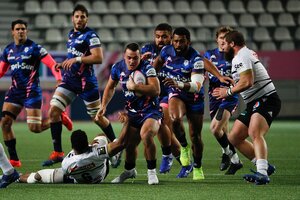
{"x": 79, "y": 44}
{"x": 151, "y": 47}
{"x": 134, "y": 104}
{"x": 180, "y": 68}
{"x": 224, "y": 67}
{"x": 24, "y": 61}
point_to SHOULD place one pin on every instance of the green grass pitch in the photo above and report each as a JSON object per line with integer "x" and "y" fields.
{"x": 283, "y": 143}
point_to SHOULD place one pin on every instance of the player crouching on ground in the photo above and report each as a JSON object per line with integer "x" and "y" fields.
{"x": 88, "y": 164}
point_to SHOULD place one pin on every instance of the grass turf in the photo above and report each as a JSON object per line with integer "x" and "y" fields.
{"x": 283, "y": 143}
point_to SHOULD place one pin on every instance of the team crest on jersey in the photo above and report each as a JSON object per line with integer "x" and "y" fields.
{"x": 186, "y": 63}
{"x": 101, "y": 151}
{"x": 26, "y": 49}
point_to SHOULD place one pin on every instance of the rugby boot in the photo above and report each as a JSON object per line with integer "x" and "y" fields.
{"x": 8, "y": 179}
{"x": 233, "y": 168}
{"x": 257, "y": 178}
{"x": 225, "y": 163}
{"x": 166, "y": 164}
{"x": 152, "y": 177}
{"x": 198, "y": 174}
{"x": 185, "y": 171}
{"x": 125, "y": 175}
{"x": 54, "y": 157}
{"x": 185, "y": 155}
{"x": 15, "y": 163}
{"x": 66, "y": 121}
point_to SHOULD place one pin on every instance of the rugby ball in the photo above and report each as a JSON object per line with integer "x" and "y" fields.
{"x": 138, "y": 78}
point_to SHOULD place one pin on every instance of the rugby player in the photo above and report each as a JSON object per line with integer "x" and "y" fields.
{"x": 222, "y": 109}
{"x": 23, "y": 58}
{"x": 262, "y": 105}
{"x": 84, "y": 50}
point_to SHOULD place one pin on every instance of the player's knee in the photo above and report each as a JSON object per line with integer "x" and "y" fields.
{"x": 6, "y": 123}
{"x": 35, "y": 128}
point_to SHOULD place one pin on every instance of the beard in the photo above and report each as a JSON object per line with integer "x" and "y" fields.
{"x": 229, "y": 55}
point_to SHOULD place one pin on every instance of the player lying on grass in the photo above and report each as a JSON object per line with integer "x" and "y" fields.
{"x": 88, "y": 164}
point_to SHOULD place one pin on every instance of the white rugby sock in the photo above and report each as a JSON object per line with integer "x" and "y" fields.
{"x": 227, "y": 151}
{"x": 235, "y": 159}
{"x": 262, "y": 166}
{"x": 253, "y": 161}
{"x": 5, "y": 165}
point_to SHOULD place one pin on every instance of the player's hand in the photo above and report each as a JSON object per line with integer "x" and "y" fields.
{"x": 226, "y": 79}
{"x": 146, "y": 56}
{"x": 123, "y": 117}
{"x": 58, "y": 82}
{"x": 130, "y": 84}
{"x": 101, "y": 112}
{"x": 170, "y": 82}
{"x": 57, "y": 67}
{"x": 220, "y": 92}
{"x": 67, "y": 64}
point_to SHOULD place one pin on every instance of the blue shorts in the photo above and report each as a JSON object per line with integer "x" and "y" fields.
{"x": 137, "y": 119}
{"x": 194, "y": 103}
{"x": 31, "y": 99}
{"x": 229, "y": 104}
{"x": 88, "y": 94}
{"x": 163, "y": 101}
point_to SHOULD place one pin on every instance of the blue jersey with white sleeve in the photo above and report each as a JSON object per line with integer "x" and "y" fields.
{"x": 180, "y": 68}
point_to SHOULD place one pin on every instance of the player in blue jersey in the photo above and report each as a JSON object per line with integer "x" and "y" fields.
{"x": 263, "y": 104}
{"x": 184, "y": 71}
{"x": 84, "y": 50}
{"x": 143, "y": 112}
{"x": 23, "y": 57}
{"x": 221, "y": 109}
{"x": 170, "y": 145}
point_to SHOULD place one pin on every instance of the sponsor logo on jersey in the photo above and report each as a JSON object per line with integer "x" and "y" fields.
{"x": 75, "y": 52}
{"x": 25, "y": 57}
{"x": 237, "y": 66}
{"x": 21, "y": 66}
{"x": 256, "y": 105}
{"x": 78, "y": 41}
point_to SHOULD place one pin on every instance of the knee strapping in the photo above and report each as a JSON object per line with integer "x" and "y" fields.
{"x": 51, "y": 175}
{"x": 59, "y": 102}
{"x": 9, "y": 114}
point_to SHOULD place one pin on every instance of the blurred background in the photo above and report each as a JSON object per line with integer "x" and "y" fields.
{"x": 271, "y": 27}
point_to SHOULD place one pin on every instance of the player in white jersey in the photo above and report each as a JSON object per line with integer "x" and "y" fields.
{"x": 263, "y": 105}
{"x": 85, "y": 163}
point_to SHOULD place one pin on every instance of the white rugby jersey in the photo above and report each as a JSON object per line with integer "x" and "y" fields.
{"x": 263, "y": 85}
{"x": 89, "y": 167}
